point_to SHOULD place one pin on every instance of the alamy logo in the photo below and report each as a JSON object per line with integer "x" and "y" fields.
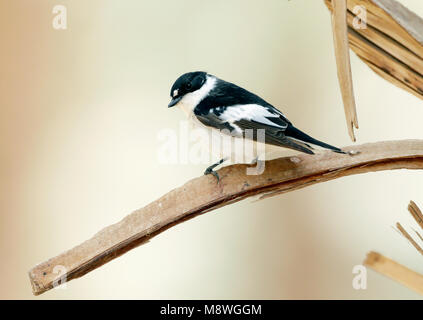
{"x": 360, "y": 19}
{"x": 60, "y": 280}
{"x": 199, "y": 146}
{"x": 60, "y": 21}
{"x": 359, "y": 281}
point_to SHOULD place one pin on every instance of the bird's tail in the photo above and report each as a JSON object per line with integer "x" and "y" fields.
{"x": 297, "y": 134}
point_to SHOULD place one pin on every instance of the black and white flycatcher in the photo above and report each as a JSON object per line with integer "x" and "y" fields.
{"x": 214, "y": 104}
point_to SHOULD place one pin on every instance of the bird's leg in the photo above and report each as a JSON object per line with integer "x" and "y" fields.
{"x": 258, "y": 168}
{"x": 254, "y": 161}
{"x": 210, "y": 170}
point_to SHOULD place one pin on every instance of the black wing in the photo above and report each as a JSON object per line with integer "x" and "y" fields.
{"x": 243, "y": 113}
{"x": 254, "y": 130}
{"x": 226, "y": 94}
{"x": 230, "y": 107}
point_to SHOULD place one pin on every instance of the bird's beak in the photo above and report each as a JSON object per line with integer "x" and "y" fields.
{"x": 174, "y": 101}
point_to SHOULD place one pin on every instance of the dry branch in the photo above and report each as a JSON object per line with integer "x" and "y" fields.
{"x": 416, "y": 213}
{"x": 395, "y": 271}
{"x": 392, "y": 43}
{"x": 409, "y": 238}
{"x": 202, "y": 194}
{"x": 418, "y": 217}
{"x": 342, "y": 56}
{"x": 392, "y": 269}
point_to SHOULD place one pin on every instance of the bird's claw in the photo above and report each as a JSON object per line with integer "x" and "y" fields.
{"x": 212, "y": 172}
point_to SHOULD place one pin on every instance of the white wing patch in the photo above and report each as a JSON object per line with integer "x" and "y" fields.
{"x": 250, "y": 112}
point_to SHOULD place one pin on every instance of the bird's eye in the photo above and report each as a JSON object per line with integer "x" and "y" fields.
{"x": 188, "y": 85}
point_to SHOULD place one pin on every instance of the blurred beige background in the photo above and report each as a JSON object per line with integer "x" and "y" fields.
{"x": 80, "y": 111}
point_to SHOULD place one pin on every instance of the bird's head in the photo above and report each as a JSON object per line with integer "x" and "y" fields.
{"x": 188, "y": 86}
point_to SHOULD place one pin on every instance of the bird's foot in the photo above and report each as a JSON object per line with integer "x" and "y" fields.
{"x": 210, "y": 170}
{"x": 255, "y": 160}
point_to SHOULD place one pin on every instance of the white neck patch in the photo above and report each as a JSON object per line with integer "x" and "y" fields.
{"x": 192, "y": 99}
